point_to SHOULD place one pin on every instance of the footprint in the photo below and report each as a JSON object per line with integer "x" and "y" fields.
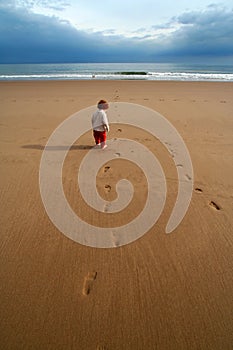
{"x": 161, "y": 99}
{"x": 116, "y": 243}
{"x": 106, "y": 168}
{"x": 106, "y": 207}
{"x": 198, "y": 190}
{"x": 115, "y": 240}
{"x": 223, "y": 101}
{"x": 214, "y": 205}
{"x": 88, "y": 282}
{"x": 107, "y": 188}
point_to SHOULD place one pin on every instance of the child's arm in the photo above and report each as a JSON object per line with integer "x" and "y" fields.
{"x": 106, "y": 127}
{"x": 105, "y": 122}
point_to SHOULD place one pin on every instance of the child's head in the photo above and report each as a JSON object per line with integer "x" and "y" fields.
{"x": 103, "y": 104}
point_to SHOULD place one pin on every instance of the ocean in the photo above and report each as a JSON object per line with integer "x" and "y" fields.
{"x": 116, "y": 71}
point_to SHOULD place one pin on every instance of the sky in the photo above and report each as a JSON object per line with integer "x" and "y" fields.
{"x": 67, "y": 31}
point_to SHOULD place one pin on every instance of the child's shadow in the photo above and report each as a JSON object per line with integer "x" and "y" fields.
{"x": 58, "y": 148}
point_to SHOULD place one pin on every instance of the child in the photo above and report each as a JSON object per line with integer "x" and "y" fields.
{"x": 100, "y": 124}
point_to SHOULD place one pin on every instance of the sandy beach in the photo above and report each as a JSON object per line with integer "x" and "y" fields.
{"x": 163, "y": 291}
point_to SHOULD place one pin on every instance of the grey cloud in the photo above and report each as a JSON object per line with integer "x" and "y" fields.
{"x": 207, "y": 32}
{"x": 28, "y": 37}
{"x": 8, "y": 4}
{"x": 108, "y": 32}
{"x": 162, "y": 26}
{"x": 212, "y": 16}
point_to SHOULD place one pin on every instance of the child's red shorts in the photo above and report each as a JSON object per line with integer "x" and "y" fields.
{"x": 99, "y": 136}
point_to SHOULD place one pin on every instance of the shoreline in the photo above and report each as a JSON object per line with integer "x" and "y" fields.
{"x": 114, "y": 80}
{"x": 109, "y": 71}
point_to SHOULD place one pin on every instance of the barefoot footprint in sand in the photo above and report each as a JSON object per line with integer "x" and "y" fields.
{"x": 106, "y": 169}
{"x": 107, "y": 188}
{"x": 214, "y": 205}
{"x": 88, "y": 282}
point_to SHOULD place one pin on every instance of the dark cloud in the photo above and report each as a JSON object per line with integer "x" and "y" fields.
{"x": 29, "y": 37}
{"x": 208, "y": 32}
